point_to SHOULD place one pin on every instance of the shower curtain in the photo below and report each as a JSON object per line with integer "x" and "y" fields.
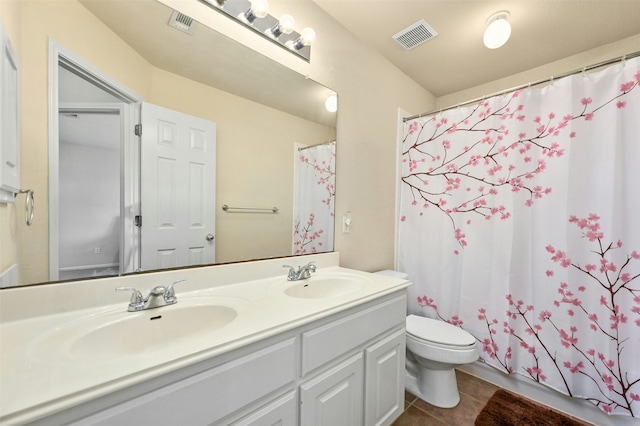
{"x": 519, "y": 222}
{"x": 314, "y": 199}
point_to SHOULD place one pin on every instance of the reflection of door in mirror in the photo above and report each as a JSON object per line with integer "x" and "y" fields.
{"x": 178, "y": 186}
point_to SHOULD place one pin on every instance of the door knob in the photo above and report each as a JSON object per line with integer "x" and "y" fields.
{"x": 209, "y": 237}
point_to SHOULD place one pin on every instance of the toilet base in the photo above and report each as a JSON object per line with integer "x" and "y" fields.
{"x": 437, "y": 387}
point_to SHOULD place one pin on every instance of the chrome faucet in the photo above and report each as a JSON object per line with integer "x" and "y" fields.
{"x": 158, "y": 296}
{"x": 302, "y": 273}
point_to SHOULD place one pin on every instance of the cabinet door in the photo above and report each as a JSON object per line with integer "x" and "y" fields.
{"x": 334, "y": 398}
{"x": 384, "y": 379}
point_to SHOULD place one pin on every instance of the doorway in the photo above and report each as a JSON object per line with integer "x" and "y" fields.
{"x": 80, "y": 198}
{"x": 89, "y": 185}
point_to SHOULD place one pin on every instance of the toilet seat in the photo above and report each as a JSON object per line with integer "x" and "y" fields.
{"x": 438, "y": 333}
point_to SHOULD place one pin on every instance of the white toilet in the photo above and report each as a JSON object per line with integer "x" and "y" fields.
{"x": 434, "y": 349}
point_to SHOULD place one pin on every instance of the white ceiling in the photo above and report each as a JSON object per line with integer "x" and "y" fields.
{"x": 543, "y": 31}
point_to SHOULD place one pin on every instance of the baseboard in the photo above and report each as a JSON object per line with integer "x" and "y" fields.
{"x": 521, "y": 385}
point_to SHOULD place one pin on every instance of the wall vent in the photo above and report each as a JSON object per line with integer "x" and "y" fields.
{"x": 415, "y": 35}
{"x": 182, "y": 22}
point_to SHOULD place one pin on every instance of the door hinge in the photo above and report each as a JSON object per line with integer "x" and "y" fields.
{"x": 138, "y": 129}
{"x": 137, "y": 221}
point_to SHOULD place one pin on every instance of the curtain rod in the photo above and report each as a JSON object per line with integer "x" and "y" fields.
{"x": 314, "y": 145}
{"x": 523, "y": 86}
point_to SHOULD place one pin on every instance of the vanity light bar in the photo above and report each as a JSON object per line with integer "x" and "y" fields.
{"x": 267, "y": 26}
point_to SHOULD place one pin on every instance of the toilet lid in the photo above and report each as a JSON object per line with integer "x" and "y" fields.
{"x": 436, "y": 331}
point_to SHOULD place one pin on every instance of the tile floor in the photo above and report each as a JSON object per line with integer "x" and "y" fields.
{"x": 474, "y": 393}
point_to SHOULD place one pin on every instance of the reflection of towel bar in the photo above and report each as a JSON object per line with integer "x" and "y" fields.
{"x": 230, "y": 209}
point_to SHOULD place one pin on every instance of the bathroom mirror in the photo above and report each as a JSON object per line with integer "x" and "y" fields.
{"x": 264, "y": 113}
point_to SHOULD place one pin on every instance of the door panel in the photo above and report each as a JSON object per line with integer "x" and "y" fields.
{"x": 178, "y": 189}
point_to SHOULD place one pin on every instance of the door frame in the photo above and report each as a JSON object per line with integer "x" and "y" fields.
{"x": 129, "y": 170}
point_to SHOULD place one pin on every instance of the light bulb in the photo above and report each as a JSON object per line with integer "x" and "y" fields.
{"x": 258, "y": 9}
{"x": 284, "y": 26}
{"x": 498, "y": 31}
{"x": 307, "y": 36}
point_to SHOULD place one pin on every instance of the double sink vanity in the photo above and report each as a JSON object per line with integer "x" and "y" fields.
{"x": 244, "y": 344}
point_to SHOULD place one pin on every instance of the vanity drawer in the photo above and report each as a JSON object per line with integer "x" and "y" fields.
{"x": 327, "y": 342}
{"x": 207, "y": 397}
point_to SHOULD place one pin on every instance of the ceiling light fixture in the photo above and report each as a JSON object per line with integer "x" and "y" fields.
{"x": 498, "y": 30}
{"x": 254, "y": 14}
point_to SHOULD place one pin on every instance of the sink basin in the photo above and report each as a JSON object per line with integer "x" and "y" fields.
{"x": 130, "y": 333}
{"x": 325, "y": 286}
{"x": 152, "y": 330}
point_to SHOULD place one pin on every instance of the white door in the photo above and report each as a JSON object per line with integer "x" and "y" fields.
{"x": 177, "y": 186}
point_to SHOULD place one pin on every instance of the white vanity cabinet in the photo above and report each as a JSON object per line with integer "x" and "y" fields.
{"x": 373, "y": 377}
{"x": 344, "y": 369}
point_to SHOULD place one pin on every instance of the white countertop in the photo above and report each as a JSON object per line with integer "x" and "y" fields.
{"x": 37, "y": 380}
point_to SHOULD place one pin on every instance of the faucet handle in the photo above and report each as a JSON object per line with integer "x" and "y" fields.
{"x": 136, "y": 297}
{"x": 170, "y": 294}
{"x": 292, "y": 272}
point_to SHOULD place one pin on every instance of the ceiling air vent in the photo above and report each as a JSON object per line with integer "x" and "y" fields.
{"x": 415, "y": 35}
{"x": 182, "y": 22}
